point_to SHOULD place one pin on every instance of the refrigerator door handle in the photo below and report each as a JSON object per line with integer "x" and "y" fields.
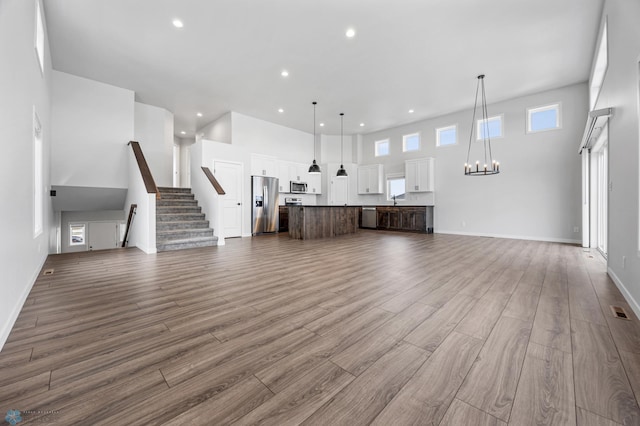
{"x": 265, "y": 194}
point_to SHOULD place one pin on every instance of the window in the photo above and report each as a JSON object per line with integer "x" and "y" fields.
{"x": 447, "y": 135}
{"x": 38, "y": 173}
{"x": 39, "y": 37}
{"x": 599, "y": 67}
{"x": 382, "y": 147}
{"x": 493, "y": 125}
{"x": 543, "y": 118}
{"x": 77, "y": 234}
{"x": 411, "y": 142}
{"x": 395, "y": 187}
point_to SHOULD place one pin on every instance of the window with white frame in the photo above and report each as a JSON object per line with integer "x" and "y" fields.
{"x": 447, "y": 135}
{"x": 382, "y": 147}
{"x": 599, "y": 67}
{"x": 543, "y": 118}
{"x": 77, "y": 234}
{"x": 411, "y": 142}
{"x": 39, "y": 37}
{"x": 38, "y": 174}
{"x": 491, "y": 128}
{"x": 396, "y": 187}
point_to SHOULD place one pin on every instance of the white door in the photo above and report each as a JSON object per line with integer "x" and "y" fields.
{"x": 600, "y": 192}
{"x": 176, "y": 166}
{"x": 103, "y": 235}
{"x": 230, "y": 177}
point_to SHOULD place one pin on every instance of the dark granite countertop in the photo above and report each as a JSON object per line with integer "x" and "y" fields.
{"x": 377, "y": 205}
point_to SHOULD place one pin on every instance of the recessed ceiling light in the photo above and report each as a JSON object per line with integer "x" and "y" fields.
{"x": 280, "y": 110}
{"x": 350, "y": 33}
{"x": 284, "y": 73}
{"x": 199, "y": 114}
{"x": 321, "y": 124}
{"x": 361, "y": 124}
{"x": 178, "y": 23}
{"x": 410, "y": 111}
{"x": 183, "y": 132}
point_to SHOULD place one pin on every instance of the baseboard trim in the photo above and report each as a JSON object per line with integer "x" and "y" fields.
{"x": 623, "y": 289}
{"x": 147, "y": 250}
{"x": 511, "y": 237}
{"x": 8, "y": 326}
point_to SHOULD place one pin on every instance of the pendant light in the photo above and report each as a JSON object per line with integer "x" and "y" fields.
{"x": 489, "y": 166}
{"x": 314, "y": 169}
{"x": 341, "y": 171}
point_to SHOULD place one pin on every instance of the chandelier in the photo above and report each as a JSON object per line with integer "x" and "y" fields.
{"x": 489, "y": 166}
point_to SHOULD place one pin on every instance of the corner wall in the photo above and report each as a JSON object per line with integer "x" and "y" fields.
{"x": 23, "y": 87}
{"x": 153, "y": 128}
{"x": 620, "y": 92}
{"x": 93, "y": 123}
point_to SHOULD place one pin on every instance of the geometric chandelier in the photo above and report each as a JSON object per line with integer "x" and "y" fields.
{"x": 489, "y": 166}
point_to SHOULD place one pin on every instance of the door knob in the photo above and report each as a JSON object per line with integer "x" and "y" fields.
{"x": 238, "y": 203}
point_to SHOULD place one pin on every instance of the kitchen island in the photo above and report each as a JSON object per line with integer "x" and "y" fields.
{"x": 311, "y": 222}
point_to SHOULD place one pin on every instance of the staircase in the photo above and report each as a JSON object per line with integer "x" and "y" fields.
{"x": 180, "y": 223}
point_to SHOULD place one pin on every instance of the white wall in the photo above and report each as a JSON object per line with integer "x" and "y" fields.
{"x": 153, "y": 128}
{"x": 262, "y": 137}
{"x": 22, "y": 86}
{"x": 620, "y": 91}
{"x": 537, "y": 193}
{"x": 219, "y": 130}
{"x": 93, "y": 122}
{"x": 143, "y": 228}
{"x": 330, "y": 151}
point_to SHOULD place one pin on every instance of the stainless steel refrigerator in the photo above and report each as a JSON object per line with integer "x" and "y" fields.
{"x": 265, "y": 200}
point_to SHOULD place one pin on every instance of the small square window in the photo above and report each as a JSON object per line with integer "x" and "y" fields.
{"x": 491, "y": 128}
{"x": 411, "y": 142}
{"x": 396, "y": 188}
{"x": 543, "y": 118}
{"x": 382, "y": 147}
{"x": 77, "y": 234}
{"x": 447, "y": 135}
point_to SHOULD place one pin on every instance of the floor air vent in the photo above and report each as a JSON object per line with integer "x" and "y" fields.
{"x": 619, "y": 312}
{"x": 48, "y": 272}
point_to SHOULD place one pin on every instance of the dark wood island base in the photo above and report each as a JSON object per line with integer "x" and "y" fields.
{"x": 311, "y": 222}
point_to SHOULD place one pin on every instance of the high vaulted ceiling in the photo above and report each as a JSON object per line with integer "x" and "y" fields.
{"x": 422, "y": 55}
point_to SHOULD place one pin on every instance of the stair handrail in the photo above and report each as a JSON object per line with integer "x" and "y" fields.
{"x": 147, "y": 177}
{"x": 213, "y": 180}
{"x": 132, "y": 213}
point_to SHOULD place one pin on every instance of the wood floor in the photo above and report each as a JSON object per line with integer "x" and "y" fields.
{"x": 373, "y": 328}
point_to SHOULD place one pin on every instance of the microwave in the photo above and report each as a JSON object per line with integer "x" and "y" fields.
{"x": 298, "y": 187}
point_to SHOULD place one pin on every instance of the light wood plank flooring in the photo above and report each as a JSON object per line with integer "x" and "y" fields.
{"x": 373, "y": 328}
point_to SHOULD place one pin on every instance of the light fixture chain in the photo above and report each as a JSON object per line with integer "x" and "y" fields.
{"x": 473, "y": 121}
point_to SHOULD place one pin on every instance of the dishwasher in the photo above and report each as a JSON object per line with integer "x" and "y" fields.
{"x": 369, "y": 218}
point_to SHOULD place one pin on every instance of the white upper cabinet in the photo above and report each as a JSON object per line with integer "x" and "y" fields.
{"x": 283, "y": 176}
{"x": 263, "y": 165}
{"x": 419, "y": 175}
{"x": 371, "y": 179}
{"x": 289, "y": 171}
{"x": 314, "y": 183}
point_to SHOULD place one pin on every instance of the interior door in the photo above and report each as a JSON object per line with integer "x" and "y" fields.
{"x": 176, "y": 166}
{"x": 103, "y": 235}
{"x": 229, "y": 175}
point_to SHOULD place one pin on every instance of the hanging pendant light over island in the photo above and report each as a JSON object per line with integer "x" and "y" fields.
{"x": 341, "y": 171}
{"x": 314, "y": 169}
